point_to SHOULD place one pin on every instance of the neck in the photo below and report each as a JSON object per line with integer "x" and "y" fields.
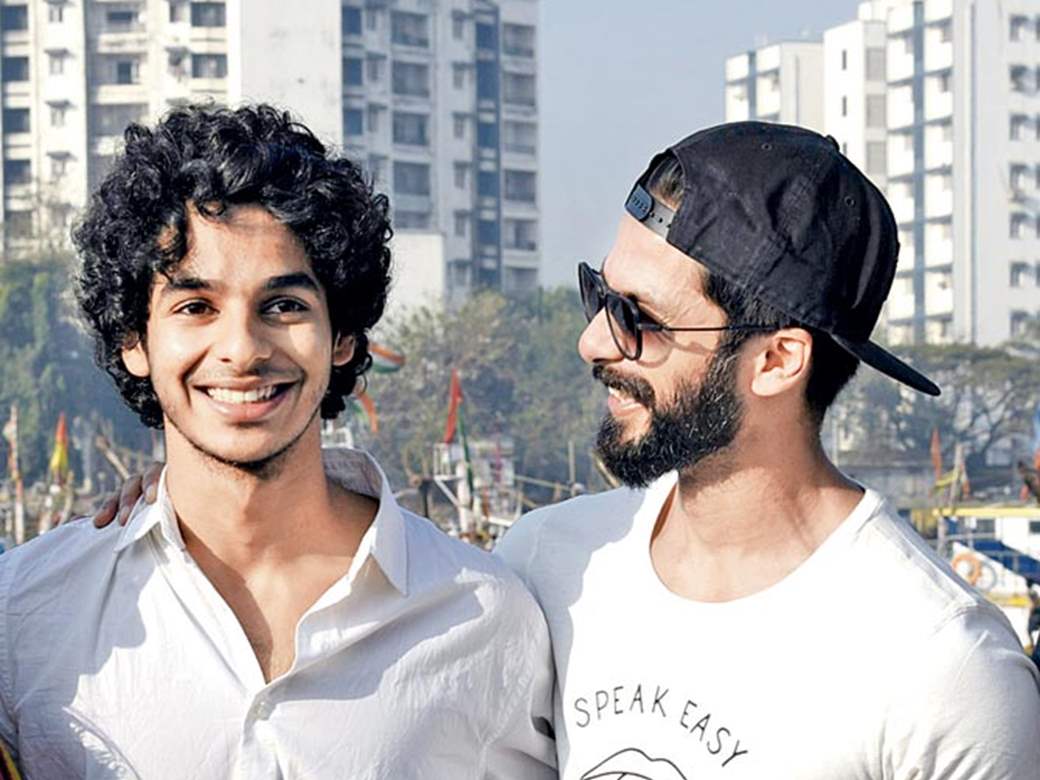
{"x": 746, "y": 518}
{"x": 246, "y": 520}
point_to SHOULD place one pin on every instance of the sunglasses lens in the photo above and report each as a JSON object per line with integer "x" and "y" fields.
{"x": 591, "y": 292}
{"x": 623, "y": 321}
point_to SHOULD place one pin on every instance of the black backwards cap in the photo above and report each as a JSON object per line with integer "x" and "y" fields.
{"x": 781, "y": 213}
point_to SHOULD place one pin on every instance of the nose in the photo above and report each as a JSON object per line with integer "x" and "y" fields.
{"x": 243, "y": 340}
{"x": 596, "y": 345}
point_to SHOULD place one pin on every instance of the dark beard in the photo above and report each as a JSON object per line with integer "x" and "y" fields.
{"x": 701, "y": 421}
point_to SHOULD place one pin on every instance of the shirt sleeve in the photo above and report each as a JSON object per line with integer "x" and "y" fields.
{"x": 8, "y": 727}
{"x": 970, "y": 707}
{"x": 525, "y": 747}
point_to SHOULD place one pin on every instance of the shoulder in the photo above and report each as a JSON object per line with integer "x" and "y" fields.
{"x": 70, "y": 553}
{"x": 436, "y": 559}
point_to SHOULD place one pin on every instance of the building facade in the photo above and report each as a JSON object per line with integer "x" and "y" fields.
{"x": 777, "y": 83}
{"x": 939, "y": 102}
{"x": 436, "y": 98}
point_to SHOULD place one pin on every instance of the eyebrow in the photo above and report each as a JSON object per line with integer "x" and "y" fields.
{"x": 175, "y": 284}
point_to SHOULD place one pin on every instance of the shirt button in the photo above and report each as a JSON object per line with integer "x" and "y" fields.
{"x": 262, "y": 709}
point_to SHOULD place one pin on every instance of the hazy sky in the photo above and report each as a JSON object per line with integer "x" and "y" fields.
{"x": 622, "y": 79}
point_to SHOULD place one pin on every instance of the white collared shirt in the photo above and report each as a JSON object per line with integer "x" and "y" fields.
{"x": 118, "y": 658}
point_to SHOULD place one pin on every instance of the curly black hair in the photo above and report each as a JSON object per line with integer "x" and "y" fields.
{"x": 211, "y": 158}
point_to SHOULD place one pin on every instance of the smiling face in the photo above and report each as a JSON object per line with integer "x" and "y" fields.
{"x": 678, "y": 403}
{"x": 239, "y": 347}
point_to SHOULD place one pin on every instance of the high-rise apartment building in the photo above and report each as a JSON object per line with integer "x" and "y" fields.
{"x": 777, "y": 83}
{"x": 436, "y": 98}
{"x": 958, "y": 111}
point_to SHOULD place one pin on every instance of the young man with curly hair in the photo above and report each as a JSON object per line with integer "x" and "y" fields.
{"x": 262, "y": 618}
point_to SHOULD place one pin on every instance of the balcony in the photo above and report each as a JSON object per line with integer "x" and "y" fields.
{"x": 900, "y": 154}
{"x": 900, "y": 58}
{"x": 936, "y": 10}
{"x": 900, "y": 107}
{"x": 938, "y": 146}
{"x": 938, "y": 245}
{"x": 901, "y": 19}
{"x": 938, "y": 54}
{"x": 737, "y": 68}
{"x": 902, "y": 205}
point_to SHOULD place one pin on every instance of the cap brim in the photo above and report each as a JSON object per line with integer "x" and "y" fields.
{"x": 887, "y": 363}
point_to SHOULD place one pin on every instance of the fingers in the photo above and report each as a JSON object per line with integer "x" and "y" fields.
{"x": 150, "y": 482}
{"x": 106, "y": 512}
{"x": 128, "y": 497}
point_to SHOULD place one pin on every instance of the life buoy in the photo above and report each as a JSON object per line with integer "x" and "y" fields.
{"x": 974, "y": 566}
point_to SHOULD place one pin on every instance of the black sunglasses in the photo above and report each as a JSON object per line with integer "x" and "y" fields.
{"x": 625, "y": 319}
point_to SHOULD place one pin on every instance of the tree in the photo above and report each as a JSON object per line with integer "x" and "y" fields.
{"x": 988, "y": 397}
{"x": 47, "y": 365}
{"x": 521, "y": 377}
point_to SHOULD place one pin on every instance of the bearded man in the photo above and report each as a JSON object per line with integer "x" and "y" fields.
{"x": 743, "y": 609}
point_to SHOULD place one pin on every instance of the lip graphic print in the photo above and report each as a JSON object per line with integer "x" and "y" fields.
{"x": 634, "y": 763}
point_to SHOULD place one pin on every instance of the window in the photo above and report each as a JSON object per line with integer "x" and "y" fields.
{"x": 375, "y": 65}
{"x": 461, "y": 175}
{"x": 1021, "y": 78}
{"x": 487, "y": 37}
{"x": 411, "y": 220}
{"x": 459, "y": 122}
{"x": 179, "y": 11}
{"x": 377, "y": 167}
{"x": 946, "y": 32}
{"x": 16, "y": 120}
{"x": 120, "y": 20}
{"x": 350, "y": 24}
{"x": 1019, "y": 323}
{"x": 487, "y": 232}
{"x": 876, "y": 111}
{"x": 58, "y": 115}
{"x": 114, "y": 119}
{"x": 127, "y": 72}
{"x": 875, "y": 65}
{"x": 411, "y": 78}
{"x": 944, "y": 81}
{"x": 844, "y": 59}
{"x": 373, "y": 18}
{"x": 411, "y": 178}
{"x": 518, "y": 40}
{"x": 487, "y": 135}
{"x": 410, "y": 29}
{"x": 14, "y": 17}
{"x": 17, "y": 172}
{"x": 521, "y": 234}
{"x": 1018, "y": 173}
{"x": 487, "y": 184}
{"x": 55, "y": 13}
{"x": 487, "y": 80}
{"x": 56, "y": 63}
{"x": 353, "y": 121}
{"x": 518, "y": 89}
{"x": 1020, "y": 272}
{"x": 1019, "y": 126}
{"x": 520, "y": 186}
{"x": 1019, "y": 24}
{"x": 461, "y": 223}
{"x": 1018, "y": 225}
{"x": 411, "y": 129}
{"x": 15, "y": 69}
{"x": 844, "y": 106}
{"x": 877, "y": 158}
{"x": 1034, "y": 526}
{"x": 352, "y": 72}
{"x": 208, "y": 15}
{"x": 18, "y": 224}
{"x": 520, "y": 137}
{"x": 209, "y": 66}
{"x": 458, "y": 74}
{"x": 375, "y": 117}
{"x": 458, "y": 25}
{"x": 59, "y": 165}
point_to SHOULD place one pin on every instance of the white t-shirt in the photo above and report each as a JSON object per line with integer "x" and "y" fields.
{"x": 870, "y": 660}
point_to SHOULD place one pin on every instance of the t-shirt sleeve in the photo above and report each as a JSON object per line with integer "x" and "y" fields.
{"x": 8, "y": 728}
{"x": 969, "y": 709}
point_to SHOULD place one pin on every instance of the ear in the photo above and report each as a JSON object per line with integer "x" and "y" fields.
{"x": 782, "y": 362}
{"x": 135, "y": 358}
{"x": 342, "y": 350}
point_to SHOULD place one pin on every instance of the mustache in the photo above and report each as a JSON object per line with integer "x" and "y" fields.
{"x": 633, "y": 386}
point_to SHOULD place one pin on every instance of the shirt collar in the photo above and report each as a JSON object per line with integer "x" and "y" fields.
{"x": 385, "y": 540}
